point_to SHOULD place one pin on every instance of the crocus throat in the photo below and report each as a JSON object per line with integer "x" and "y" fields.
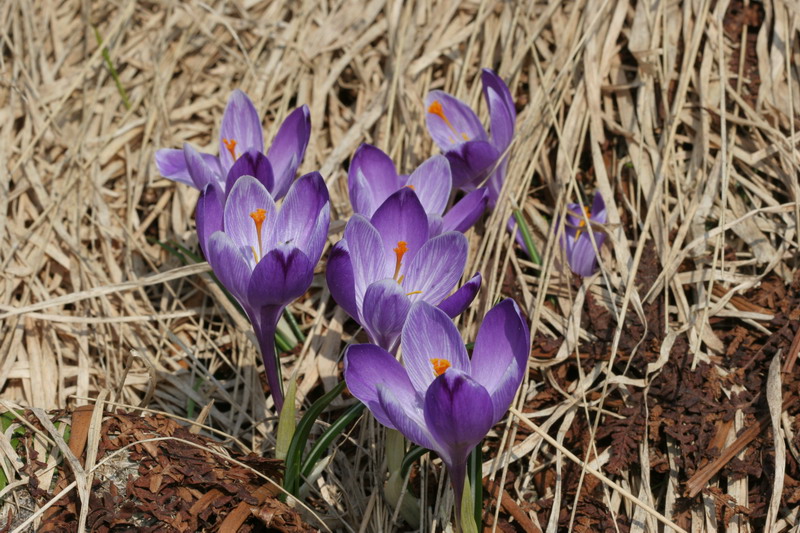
{"x": 400, "y": 251}
{"x": 439, "y": 366}
{"x": 436, "y": 109}
{"x": 258, "y": 216}
{"x": 230, "y": 144}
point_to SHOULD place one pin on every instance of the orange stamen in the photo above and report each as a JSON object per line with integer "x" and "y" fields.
{"x": 413, "y": 293}
{"x": 230, "y": 144}
{"x": 411, "y": 187}
{"x": 439, "y": 366}
{"x": 436, "y": 109}
{"x": 400, "y": 251}
{"x": 258, "y": 216}
{"x": 582, "y": 223}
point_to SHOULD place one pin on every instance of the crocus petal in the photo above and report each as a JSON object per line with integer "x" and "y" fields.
{"x": 208, "y": 214}
{"x": 305, "y": 215}
{"x": 282, "y": 276}
{"x": 288, "y": 149}
{"x": 407, "y": 418}
{"x": 172, "y": 165}
{"x": 432, "y": 182}
{"x": 450, "y": 121}
{"x": 367, "y": 255}
{"x": 503, "y": 343}
{"x": 458, "y": 414}
{"x": 197, "y": 168}
{"x": 401, "y": 218}
{"x": 367, "y": 366}
{"x": 495, "y": 182}
{"x": 456, "y": 303}
{"x": 251, "y": 163}
{"x": 471, "y": 162}
{"x": 430, "y": 334}
{"x": 438, "y": 266}
{"x": 502, "y": 112}
{"x": 339, "y": 275}
{"x": 435, "y": 226}
{"x": 583, "y": 259}
{"x": 229, "y": 266}
{"x": 371, "y": 179}
{"x": 384, "y": 312}
{"x": 466, "y": 211}
{"x": 246, "y": 197}
{"x": 240, "y": 124}
{"x": 598, "y": 210}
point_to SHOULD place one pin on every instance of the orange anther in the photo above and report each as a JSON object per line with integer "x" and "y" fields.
{"x": 230, "y": 144}
{"x": 439, "y": 366}
{"x": 437, "y": 109}
{"x": 411, "y": 187}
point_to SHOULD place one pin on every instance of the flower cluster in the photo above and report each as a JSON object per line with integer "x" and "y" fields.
{"x": 397, "y": 269}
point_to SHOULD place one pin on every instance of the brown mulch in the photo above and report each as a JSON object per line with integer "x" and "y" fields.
{"x": 161, "y": 477}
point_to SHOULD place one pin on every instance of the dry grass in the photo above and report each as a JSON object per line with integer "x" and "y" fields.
{"x": 90, "y": 303}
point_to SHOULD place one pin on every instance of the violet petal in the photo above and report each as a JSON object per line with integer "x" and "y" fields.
{"x": 407, "y": 418}
{"x": 240, "y": 125}
{"x": 171, "y": 164}
{"x": 500, "y": 356}
{"x": 371, "y": 179}
{"x": 246, "y": 197}
{"x": 288, "y": 148}
{"x": 305, "y": 215}
{"x": 430, "y": 334}
{"x": 384, "y": 312}
{"x": 438, "y": 266}
{"x": 229, "y": 266}
{"x": 458, "y": 414}
{"x": 466, "y": 211}
{"x": 251, "y": 163}
{"x": 432, "y": 181}
{"x": 450, "y": 121}
{"x": 339, "y": 275}
{"x": 401, "y": 218}
{"x": 282, "y": 275}
{"x": 456, "y": 303}
{"x": 367, "y": 366}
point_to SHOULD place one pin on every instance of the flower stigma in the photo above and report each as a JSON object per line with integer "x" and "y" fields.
{"x": 410, "y": 187}
{"x": 230, "y": 144}
{"x": 400, "y": 251}
{"x": 439, "y": 366}
{"x": 437, "y": 109}
{"x": 258, "y": 216}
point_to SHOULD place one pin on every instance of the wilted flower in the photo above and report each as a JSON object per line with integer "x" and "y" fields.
{"x": 265, "y": 256}
{"x": 372, "y": 178}
{"x": 576, "y": 241}
{"x": 241, "y": 152}
{"x": 441, "y": 399}
{"x": 458, "y": 132}
{"x": 386, "y": 263}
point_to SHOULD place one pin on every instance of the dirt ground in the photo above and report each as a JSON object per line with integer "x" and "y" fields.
{"x": 661, "y": 393}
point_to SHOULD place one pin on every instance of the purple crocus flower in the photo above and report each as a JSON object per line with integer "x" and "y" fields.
{"x": 474, "y": 156}
{"x": 372, "y": 179}
{"x": 386, "y": 263}
{"x": 576, "y": 241}
{"x": 441, "y": 399}
{"x": 241, "y": 152}
{"x": 265, "y": 256}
